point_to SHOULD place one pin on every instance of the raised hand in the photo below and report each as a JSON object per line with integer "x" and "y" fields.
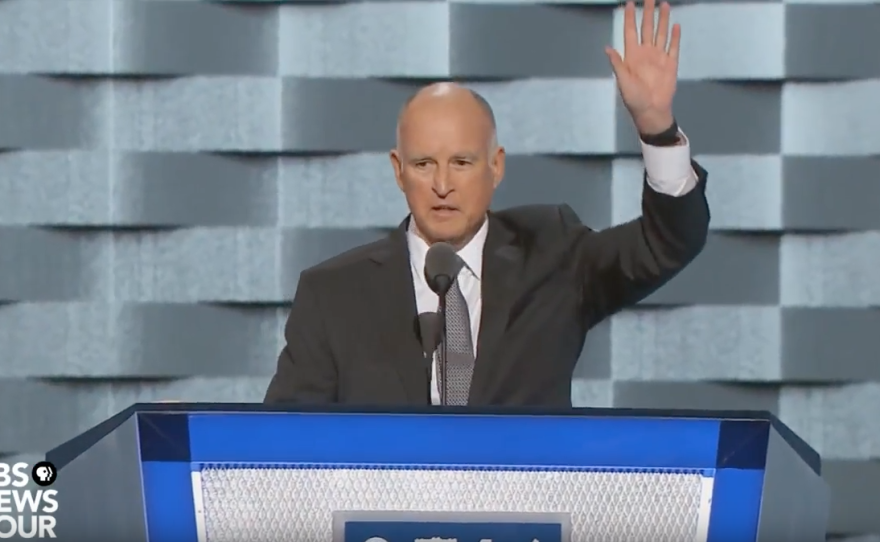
{"x": 647, "y": 73}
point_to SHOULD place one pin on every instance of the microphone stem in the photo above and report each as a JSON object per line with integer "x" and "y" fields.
{"x": 442, "y": 352}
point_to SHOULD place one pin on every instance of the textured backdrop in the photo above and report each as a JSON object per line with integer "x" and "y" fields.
{"x": 170, "y": 166}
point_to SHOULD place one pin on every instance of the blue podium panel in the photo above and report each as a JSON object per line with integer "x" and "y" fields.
{"x": 217, "y": 473}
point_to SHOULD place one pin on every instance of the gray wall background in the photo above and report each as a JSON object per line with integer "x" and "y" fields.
{"x": 169, "y": 167}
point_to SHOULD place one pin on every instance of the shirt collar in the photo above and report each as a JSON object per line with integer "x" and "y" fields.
{"x": 471, "y": 253}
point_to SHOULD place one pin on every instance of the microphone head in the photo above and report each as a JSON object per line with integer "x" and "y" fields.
{"x": 430, "y": 332}
{"x": 442, "y": 265}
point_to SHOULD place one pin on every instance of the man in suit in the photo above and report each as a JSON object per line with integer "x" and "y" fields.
{"x": 535, "y": 279}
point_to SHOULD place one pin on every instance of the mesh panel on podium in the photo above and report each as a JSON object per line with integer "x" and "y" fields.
{"x": 277, "y": 504}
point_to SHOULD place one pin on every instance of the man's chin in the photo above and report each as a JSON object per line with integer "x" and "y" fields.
{"x": 453, "y": 236}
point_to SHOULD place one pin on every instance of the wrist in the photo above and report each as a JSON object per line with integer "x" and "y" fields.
{"x": 669, "y": 137}
{"x": 652, "y": 124}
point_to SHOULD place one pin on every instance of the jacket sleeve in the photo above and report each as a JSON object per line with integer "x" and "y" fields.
{"x": 623, "y": 264}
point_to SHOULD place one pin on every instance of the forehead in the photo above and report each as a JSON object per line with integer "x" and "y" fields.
{"x": 444, "y": 125}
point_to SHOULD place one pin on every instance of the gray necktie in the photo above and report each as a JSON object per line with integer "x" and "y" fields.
{"x": 459, "y": 348}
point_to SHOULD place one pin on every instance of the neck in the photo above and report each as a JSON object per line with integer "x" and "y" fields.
{"x": 457, "y": 243}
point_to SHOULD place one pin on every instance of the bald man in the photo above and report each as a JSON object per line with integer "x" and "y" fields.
{"x": 535, "y": 279}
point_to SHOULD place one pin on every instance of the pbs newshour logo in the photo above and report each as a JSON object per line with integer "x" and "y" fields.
{"x": 27, "y": 513}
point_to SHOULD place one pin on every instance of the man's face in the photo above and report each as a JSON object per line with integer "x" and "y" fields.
{"x": 447, "y": 165}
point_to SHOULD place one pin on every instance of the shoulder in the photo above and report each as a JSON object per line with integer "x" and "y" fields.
{"x": 343, "y": 267}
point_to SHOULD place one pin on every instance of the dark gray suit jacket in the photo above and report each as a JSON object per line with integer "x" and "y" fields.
{"x": 547, "y": 279}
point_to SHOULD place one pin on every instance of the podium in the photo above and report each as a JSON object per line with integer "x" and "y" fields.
{"x": 236, "y": 472}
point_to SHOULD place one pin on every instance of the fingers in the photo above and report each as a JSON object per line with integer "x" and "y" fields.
{"x": 648, "y": 23}
{"x": 661, "y": 37}
{"x": 630, "y": 34}
{"x": 675, "y": 41}
{"x": 616, "y": 61}
{"x": 647, "y": 34}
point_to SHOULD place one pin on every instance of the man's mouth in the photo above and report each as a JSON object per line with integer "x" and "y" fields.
{"x": 444, "y": 208}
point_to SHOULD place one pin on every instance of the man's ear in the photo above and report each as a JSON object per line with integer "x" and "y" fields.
{"x": 397, "y": 164}
{"x": 497, "y": 165}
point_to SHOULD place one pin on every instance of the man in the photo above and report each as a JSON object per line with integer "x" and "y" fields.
{"x": 535, "y": 279}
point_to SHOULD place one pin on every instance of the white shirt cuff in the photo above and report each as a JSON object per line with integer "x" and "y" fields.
{"x": 669, "y": 169}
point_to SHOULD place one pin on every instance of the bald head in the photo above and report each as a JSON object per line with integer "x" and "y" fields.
{"x": 449, "y": 95}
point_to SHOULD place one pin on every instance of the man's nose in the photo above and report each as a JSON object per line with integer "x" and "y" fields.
{"x": 442, "y": 186}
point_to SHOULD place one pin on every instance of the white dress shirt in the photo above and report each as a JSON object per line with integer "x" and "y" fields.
{"x": 669, "y": 172}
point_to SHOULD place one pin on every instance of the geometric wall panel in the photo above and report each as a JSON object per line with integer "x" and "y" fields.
{"x": 834, "y": 270}
{"x": 747, "y": 124}
{"x": 810, "y": 56}
{"x": 168, "y": 168}
{"x": 585, "y": 184}
{"x": 860, "y": 482}
{"x": 529, "y": 40}
{"x": 831, "y": 193}
{"x": 828, "y": 119}
{"x": 717, "y": 278}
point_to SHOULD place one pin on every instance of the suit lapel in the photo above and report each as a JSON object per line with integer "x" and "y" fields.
{"x": 394, "y": 303}
{"x": 502, "y": 266}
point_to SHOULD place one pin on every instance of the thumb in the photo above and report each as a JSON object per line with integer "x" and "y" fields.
{"x": 616, "y": 60}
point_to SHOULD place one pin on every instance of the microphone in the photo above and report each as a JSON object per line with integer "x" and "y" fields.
{"x": 430, "y": 332}
{"x": 442, "y": 265}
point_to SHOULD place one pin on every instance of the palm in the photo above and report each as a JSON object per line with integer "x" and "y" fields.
{"x": 647, "y": 73}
